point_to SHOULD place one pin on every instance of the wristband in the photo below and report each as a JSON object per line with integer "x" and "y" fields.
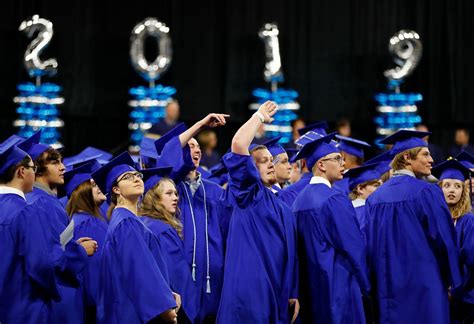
{"x": 260, "y": 116}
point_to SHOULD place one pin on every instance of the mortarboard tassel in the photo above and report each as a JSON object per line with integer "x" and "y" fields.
{"x": 208, "y": 285}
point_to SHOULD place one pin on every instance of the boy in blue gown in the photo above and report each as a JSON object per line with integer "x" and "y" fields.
{"x": 411, "y": 239}
{"x": 260, "y": 283}
{"x": 31, "y": 257}
{"x": 331, "y": 248}
{"x": 201, "y": 212}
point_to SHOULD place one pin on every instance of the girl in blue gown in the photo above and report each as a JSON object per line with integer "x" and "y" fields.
{"x": 160, "y": 208}
{"x": 133, "y": 284}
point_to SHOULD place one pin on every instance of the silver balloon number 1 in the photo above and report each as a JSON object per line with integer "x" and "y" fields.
{"x": 272, "y": 73}
{"x": 406, "y": 48}
{"x": 154, "y": 28}
{"x": 33, "y": 64}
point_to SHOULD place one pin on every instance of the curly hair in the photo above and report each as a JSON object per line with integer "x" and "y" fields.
{"x": 463, "y": 206}
{"x": 152, "y": 206}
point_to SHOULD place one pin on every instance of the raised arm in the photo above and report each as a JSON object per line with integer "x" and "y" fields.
{"x": 244, "y": 136}
{"x": 212, "y": 120}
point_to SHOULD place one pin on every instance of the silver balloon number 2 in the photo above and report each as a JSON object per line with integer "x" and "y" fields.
{"x": 269, "y": 35}
{"x": 154, "y": 28}
{"x": 406, "y": 48}
{"x": 33, "y": 64}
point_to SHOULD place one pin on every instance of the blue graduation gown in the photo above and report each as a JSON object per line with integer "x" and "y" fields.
{"x": 465, "y": 243}
{"x": 86, "y": 225}
{"x": 175, "y": 259}
{"x": 133, "y": 279}
{"x": 412, "y": 251}
{"x": 195, "y": 244}
{"x": 332, "y": 257}
{"x": 289, "y": 194}
{"x": 260, "y": 259}
{"x": 70, "y": 308}
{"x": 343, "y": 186}
{"x": 32, "y": 262}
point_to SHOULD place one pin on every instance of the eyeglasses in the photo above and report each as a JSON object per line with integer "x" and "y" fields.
{"x": 131, "y": 176}
{"x": 33, "y": 167}
{"x": 338, "y": 159}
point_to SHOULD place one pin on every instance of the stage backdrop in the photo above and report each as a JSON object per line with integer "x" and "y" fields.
{"x": 333, "y": 52}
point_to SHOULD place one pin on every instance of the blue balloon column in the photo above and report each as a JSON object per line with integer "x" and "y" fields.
{"x": 287, "y": 107}
{"x": 38, "y": 109}
{"x": 396, "y": 111}
{"x": 285, "y": 98}
{"x": 148, "y": 108}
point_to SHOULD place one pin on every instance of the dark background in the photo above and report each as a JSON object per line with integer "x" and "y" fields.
{"x": 333, "y": 53}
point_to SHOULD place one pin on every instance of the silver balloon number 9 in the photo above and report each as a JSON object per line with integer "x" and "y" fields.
{"x": 34, "y": 65}
{"x": 269, "y": 35}
{"x": 154, "y": 28}
{"x": 406, "y": 48}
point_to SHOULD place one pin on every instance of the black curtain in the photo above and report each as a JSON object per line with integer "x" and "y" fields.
{"x": 333, "y": 53}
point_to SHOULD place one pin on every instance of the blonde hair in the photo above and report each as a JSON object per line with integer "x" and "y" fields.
{"x": 151, "y": 206}
{"x": 463, "y": 206}
{"x": 399, "y": 162}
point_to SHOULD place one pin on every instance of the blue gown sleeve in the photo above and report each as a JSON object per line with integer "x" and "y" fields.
{"x": 440, "y": 233}
{"x": 466, "y": 248}
{"x": 244, "y": 180}
{"x": 42, "y": 254}
{"x": 178, "y": 157}
{"x": 143, "y": 282}
{"x": 347, "y": 237}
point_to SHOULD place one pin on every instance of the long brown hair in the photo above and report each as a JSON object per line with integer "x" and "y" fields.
{"x": 82, "y": 200}
{"x": 463, "y": 206}
{"x": 151, "y": 206}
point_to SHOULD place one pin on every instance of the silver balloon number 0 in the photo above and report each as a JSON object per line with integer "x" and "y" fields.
{"x": 406, "y": 48}
{"x": 269, "y": 35}
{"x": 33, "y": 64}
{"x": 154, "y": 28}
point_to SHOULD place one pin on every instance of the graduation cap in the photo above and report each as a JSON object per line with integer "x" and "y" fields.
{"x": 79, "y": 160}
{"x": 79, "y": 175}
{"x": 107, "y": 174}
{"x": 352, "y": 146}
{"x": 451, "y": 169}
{"x": 404, "y": 139}
{"x": 152, "y": 176}
{"x": 176, "y": 131}
{"x": 316, "y": 149}
{"x": 148, "y": 154}
{"x": 10, "y": 155}
{"x": 291, "y": 154}
{"x": 307, "y": 137}
{"x": 90, "y": 152}
{"x": 12, "y": 140}
{"x": 273, "y": 147}
{"x": 32, "y": 145}
{"x": 318, "y": 127}
{"x": 383, "y": 162}
{"x": 362, "y": 174}
{"x": 466, "y": 159}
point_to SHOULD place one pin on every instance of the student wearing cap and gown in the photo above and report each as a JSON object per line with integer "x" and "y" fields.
{"x": 453, "y": 176}
{"x": 411, "y": 239}
{"x": 353, "y": 152}
{"x": 260, "y": 273}
{"x": 331, "y": 247}
{"x": 49, "y": 176}
{"x": 289, "y": 194}
{"x": 281, "y": 162}
{"x": 133, "y": 285}
{"x": 363, "y": 181}
{"x": 202, "y": 213}
{"x": 160, "y": 212}
{"x": 84, "y": 199}
{"x": 31, "y": 256}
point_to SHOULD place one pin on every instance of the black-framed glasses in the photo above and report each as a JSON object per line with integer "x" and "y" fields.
{"x": 33, "y": 167}
{"x": 131, "y": 176}
{"x": 338, "y": 159}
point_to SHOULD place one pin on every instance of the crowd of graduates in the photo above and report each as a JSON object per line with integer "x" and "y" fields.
{"x": 269, "y": 235}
